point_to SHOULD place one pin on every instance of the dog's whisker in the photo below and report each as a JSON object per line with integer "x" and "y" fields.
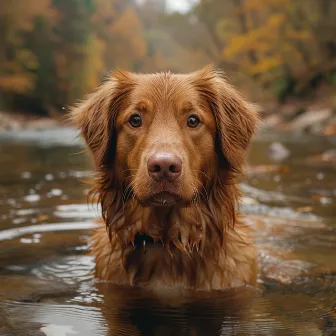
{"x": 206, "y": 196}
{"x": 127, "y": 190}
{"x": 196, "y": 198}
{"x": 129, "y": 170}
{"x": 197, "y": 195}
{"x": 203, "y": 174}
{"x": 127, "y": 178}
{"x": 126, "y": 193}
{"x": 133, "y": 197}
{"x": 123, "y": 194}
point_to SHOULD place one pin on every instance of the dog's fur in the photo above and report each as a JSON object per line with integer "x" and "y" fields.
{"x": 200, "y": 241}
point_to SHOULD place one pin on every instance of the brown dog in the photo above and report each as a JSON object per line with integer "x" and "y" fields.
{"x": 168, "y": 149}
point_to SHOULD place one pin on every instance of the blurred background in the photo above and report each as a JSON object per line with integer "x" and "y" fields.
{"x": 280, "y": 53}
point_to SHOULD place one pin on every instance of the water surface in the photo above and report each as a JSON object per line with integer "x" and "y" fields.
{"x": 46, "y": 286}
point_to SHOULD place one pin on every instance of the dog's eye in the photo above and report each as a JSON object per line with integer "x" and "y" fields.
{"x": 193, "y": 121}
{"x": 135, "y": 120}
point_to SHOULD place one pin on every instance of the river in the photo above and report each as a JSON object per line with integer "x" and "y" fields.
{"x": 46, "y": 286}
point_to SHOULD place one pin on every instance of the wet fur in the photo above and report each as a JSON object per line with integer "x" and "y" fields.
{"x": 206, "y": 246}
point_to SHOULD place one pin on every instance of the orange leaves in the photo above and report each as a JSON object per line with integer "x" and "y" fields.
{"x": 264, "y": 41}
{"x": 251, "y": 5}
{"x": 280, "y": 39}
{"x": 299, "y": 35}
{"x": 275, "y": 20}
{"x": 18, "y": 83}
{"x": 128, "y": 30}
{"x": 266, "y": 64}
{"x": 120, "y": 33}
{"x": 19, "y": 18}
{"x": 94, "y": 64}
{"x": 26, "y": 57}
{"x": 58, "y": 49}
{"x": 20, "y": 14}
{"x": 259, "y": 39}
{"x": 103, "y": 17}
{"x": 268, "y": 38}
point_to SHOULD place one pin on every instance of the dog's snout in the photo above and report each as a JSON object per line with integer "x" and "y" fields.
{"x": 164, "y": 166}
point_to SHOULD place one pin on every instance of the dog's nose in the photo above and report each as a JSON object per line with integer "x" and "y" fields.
{"x": 164, "y": 166}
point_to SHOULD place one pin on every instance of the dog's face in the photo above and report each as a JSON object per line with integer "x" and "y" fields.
{"x": 164, "y": 137}
{"x": 165, "y": 142}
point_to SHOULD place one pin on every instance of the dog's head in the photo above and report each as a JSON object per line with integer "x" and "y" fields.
{"x": 164, "y": 137}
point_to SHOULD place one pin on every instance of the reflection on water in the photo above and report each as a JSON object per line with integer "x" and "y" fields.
{"x": 46, "y": 283}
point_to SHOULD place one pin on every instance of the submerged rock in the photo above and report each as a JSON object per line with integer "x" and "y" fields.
{"x": 278, "y": 152}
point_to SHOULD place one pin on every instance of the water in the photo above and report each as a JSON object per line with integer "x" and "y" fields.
{"x": 46, "y": 286}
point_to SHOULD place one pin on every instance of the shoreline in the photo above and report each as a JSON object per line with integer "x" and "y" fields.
{"x": 19, "y": 121}
{"x": 315, "y": 118}
{"x": 318, "y": 120}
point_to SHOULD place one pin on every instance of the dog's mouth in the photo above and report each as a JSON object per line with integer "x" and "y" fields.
{"x": 162, "y": 199}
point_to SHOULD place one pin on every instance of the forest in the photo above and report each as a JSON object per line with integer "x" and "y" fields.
{"x": 54, "y": 51}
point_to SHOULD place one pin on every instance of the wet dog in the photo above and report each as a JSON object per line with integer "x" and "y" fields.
{"x": 168, "y": 150}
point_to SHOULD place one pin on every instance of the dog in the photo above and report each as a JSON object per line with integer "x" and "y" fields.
{"x": 168, "y": 151}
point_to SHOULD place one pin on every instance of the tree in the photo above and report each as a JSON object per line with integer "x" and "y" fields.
{"x": 17, "y": 61}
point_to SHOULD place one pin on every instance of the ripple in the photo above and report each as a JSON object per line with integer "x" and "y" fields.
{"x": 21, "y": 231}
{"x": 87, "y": 293}
{"x": 268, "y": 196}
{"x": 77, "y": 211}
{"x": 49, "y": 318}
{"x": 284, "y": 212}
{"x": 70, "y": 270}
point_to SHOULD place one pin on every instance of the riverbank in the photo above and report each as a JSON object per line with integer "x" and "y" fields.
{"x": 296, "y": 117}
{"x": 314, "y": 119}
{"x": 19, "y": 121}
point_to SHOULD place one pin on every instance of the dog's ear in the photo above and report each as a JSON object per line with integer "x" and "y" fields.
{"x": 236, "y": 119}
{"x": 96, "y": 114}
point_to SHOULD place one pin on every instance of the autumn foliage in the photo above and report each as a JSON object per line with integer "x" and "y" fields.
{"x": 54, "y": 51}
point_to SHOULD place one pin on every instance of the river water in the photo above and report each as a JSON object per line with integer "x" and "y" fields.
{"x": 46, "y": 286}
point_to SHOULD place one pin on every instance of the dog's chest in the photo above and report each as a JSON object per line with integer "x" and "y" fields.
{"x": 157, "y": 265}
